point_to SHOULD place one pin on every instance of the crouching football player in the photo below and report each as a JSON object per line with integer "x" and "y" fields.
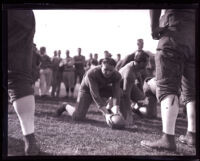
{"x": 148, "y": 106}
{"x": 98, "y": 83}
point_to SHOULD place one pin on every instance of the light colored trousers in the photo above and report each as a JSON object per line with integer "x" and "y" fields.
{"x": 45, "y": 81}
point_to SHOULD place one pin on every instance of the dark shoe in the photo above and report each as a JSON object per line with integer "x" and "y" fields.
{"x": 167, "y": 142}
{"x": 189, "y": 139}
{"x": 60, "y": 110}
{"x": 31, "y": 148}
{"x": 137, "y": 111}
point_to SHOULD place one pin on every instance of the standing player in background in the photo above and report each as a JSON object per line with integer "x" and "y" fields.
{"x": 118, "y": 58}
{"x": 21, "y": 30}
{"x": 175, "y": 68}
{"x": 79, "y": 62}
{"x": 55, "y": 68}
{"x": 132, "y": 57}
{"x": 45, "y": 73}
{"x": 106, "y": 55}
{"x": 88, "y": 62}
{"x": 68, "y": 74}
{"x": 98, "y": 83}
{"x": 59, "y": 76}
{"x": 96, "y": 57}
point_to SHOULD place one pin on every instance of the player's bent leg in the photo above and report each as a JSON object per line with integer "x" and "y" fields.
{"x": 83, "y": 102}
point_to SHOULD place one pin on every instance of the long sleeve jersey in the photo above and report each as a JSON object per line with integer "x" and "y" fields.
{"x": 94, "y": 81}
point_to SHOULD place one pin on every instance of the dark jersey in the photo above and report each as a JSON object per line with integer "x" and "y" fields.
{"x": 131, "y": 57}
{"x": 94, "y": 81}
{"x": 79, "y": 62}
{"x": 129, "y": 74}
{"x": 45, "y": 62}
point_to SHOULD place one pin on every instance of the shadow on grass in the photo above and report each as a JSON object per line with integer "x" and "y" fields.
{"x": 15, "y": 147}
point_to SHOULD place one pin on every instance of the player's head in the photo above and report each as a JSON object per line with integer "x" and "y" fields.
{"x": 91, "y": 56}
{"x": 79, "y": 51}
{"x": 140, "y": 44}
{"x": 42, "y": 50}
{"x": 67, "y": 53}
{"x": 96, "y": 56}
{"x": 118, "y": 56}
{"x": 106, "y": 54}
{"x": 108, "y": 67}
{"x": 55, "y": 53}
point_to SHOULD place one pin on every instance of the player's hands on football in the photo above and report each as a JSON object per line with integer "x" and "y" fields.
{"x": 108, "y": 118}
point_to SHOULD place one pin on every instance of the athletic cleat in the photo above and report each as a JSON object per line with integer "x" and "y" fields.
{"x": 60, "y": 110}
{"x": 188, "y": 139}
{"x": 167, "y": 142}
{"x": 31, "y": 148}
{"x": 137, "y": 111}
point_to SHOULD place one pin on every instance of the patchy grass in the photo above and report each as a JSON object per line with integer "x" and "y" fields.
{"x": 62, "y": 136}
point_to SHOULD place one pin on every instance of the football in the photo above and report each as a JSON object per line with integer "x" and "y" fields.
{"x": 117, "y": 121}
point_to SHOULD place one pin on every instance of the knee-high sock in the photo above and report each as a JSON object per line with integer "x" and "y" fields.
{"x": 25, "y": 109}
{"x": 191, "y": 116}
{"x": 169, "y": 112}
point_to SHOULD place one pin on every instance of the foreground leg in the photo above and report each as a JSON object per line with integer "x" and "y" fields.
{"x": 190, "y": 137}
{"x": 25, "y": 109}
{"x": 169, "y": 112}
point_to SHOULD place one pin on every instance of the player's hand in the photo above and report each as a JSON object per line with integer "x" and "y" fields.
{"x": 115, "y": 110}
{"x": 108, "y": 118}
{"x": 158, "y": 32}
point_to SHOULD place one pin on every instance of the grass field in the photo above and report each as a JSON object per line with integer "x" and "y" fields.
{"x": 62, "y": 136}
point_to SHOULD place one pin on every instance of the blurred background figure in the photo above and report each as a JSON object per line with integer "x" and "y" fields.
{"x": 106, "y": 55}
{"x": 88, "y": 63}
{"x": 131, "y": 57}
{"x": 55, "y": 78}
{"x": 68, "y": 74}
{"x": 36, "y": 60}
{"x": 79, "y": 62}
{"x": 94, "y": 63}
{"x": 59, "y": 76}
{"x": 96, "y": 56}
{"x": 118, "y": 58}
{"x": 45, "y": 73}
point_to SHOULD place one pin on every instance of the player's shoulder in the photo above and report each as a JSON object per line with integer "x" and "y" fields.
{"x": 94, "y": 71}
{"x": 117, "y": 75}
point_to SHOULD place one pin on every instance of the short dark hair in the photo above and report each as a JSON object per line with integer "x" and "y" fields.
{"x": 109, "y": 61}
{"x": 42, "y": 50}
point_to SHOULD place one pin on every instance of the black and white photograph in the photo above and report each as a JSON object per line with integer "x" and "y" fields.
{"x": 100, "y": 81}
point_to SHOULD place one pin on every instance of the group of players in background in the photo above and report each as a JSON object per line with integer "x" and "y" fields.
{"x": 51, "y": 72}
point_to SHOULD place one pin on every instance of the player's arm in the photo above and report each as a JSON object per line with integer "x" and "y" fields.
{"x": 116, "y": 93}
{"x": 94, "y": 91}
{"x": 127, "y": 86}
{"x": 156, "y": 30}
{"x": 126, "y": 60}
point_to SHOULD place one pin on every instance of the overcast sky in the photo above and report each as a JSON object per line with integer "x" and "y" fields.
{"x": 93, "y": 30}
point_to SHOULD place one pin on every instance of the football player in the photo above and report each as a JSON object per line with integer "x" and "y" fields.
{"x": 21, "y": 30}
{"x": 175, "y": 68}
{"x": 98, "y": 83}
